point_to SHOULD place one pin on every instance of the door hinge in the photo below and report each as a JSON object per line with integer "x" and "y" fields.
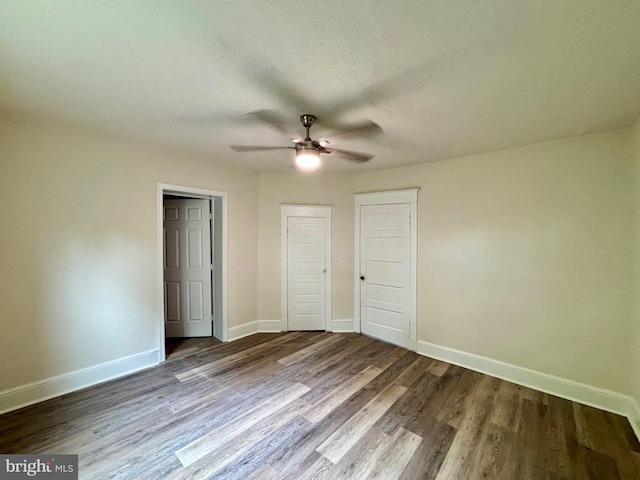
{"x": 211, "y": 266}
{"x": 210, "y": 216}
{"x": 287, "y": 231}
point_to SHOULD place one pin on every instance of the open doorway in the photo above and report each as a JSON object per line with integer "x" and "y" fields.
{"x": 192, "y": 264}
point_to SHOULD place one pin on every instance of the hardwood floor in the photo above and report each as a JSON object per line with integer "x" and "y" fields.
{"x": 307, "y": 405}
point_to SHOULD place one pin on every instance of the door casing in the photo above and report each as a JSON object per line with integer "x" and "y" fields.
{"x": 409, "y": 196}
{"x": 181, "y": 190}
{"x": 321, "y": 211}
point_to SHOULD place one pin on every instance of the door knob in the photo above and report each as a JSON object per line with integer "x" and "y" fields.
{"x": 362, "y": 277}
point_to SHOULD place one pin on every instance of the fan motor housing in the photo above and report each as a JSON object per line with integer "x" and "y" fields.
{"x": 306, "y": 145}
{"x": 307, "y": 120}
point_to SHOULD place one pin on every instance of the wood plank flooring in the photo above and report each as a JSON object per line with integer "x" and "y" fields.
{"x": 311, "y": 405}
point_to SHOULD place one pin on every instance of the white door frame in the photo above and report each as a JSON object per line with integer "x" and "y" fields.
{"x": 409, "y": 196}
{"x": 168, "y": 189}
{"x": 321, "y": 211}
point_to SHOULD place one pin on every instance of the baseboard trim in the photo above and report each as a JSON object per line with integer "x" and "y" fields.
{"x": 275, "y": 326}
{"x": 634, "y": 416}
{"x": 342, "y": 325}
{"x": 35, "y": 392}
{"x": 244, "y": 330}
{"x": 269, "y": 326}
{"x": 561, "y": 387}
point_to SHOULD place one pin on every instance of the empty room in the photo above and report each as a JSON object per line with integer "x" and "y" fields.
{"x": 320, "y": 240}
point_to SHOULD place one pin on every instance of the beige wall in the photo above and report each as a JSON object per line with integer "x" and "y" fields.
{"x": 524, "y": 254}
{"x": 305, "y": 189}
{"x": 78, "y": 245}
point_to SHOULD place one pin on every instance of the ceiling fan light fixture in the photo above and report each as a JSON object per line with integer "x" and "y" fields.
{"x": 307, "y": 158}
{"x": 307, "y": 150}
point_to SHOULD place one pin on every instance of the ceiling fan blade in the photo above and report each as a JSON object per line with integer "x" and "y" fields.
{"x": 350, "y": 155}
{"x": 362, "y": 129}
{"x": 272, "y": 119}
{"x": 256, "y": 148}
{"x": 401, "y": 84}
{"x": 271, "y": 81}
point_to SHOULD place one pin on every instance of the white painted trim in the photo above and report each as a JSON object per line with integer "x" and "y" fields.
{"x": 413, "y": 330}
{"x": 321, "y": 211}
{"x": 634, "y": 416}
{"x": 284, "y": 278}
{"x": 561, "y": 387}
{"x": 250, "y": 328}
{"x": 35, "y": 392}
{"x": 269, "y": 326}
{"x": 243, "y": 330}
{"x": 165, "y": 188}
{"x": 409, "y": 196}
{"x": 342, "y": 325}
{"x": 317, "y": 211}
{"x": 383, "y": 198}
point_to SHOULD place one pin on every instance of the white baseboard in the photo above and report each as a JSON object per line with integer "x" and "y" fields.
{"x": 342, "y": 325}
{"x": 275, "y": 326}
{"x": 257, "y": 326}
{"x": 35, "y": 392}
{"x": 561, "y": 387}
{"x": 269, "y": 326}
{"x": 634, "y": 416}
{"x": 244, "y": 330}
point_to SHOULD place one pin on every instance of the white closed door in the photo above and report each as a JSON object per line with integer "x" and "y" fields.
{"x": 385, "y": 272}
{"x": 187, "y": 268}
{"x": 306, "y": 270}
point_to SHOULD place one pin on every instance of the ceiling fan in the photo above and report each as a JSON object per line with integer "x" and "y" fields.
{"x": 308, "y": 151}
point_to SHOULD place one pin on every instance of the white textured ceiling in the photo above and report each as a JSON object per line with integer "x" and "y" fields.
{"x": 443, "y": 78}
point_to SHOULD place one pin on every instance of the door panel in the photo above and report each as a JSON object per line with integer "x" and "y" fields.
{"x": 171, "y": 212}
{"x": 194, "y": 247}
{"x": 195, "y": 213}
{"x": 386, "y": 297}
{"x": 385, "y": 273}
{"x": 196, "y": 302}
{"x": 306, "y": 270}
{"x": 171, "y": 247}
{"x": 172, "y": 305}
{"x": 187, "y": 268}
{"x": 385, "y": 264}
{"x": 385, "y": 320}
